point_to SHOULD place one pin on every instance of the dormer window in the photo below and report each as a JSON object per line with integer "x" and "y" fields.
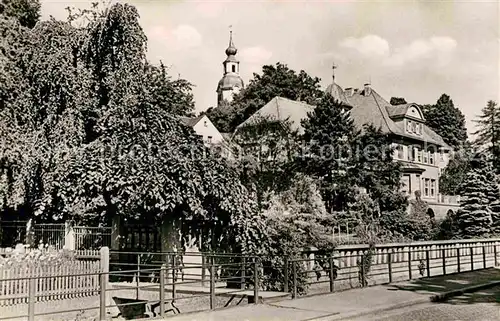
{"x": 409, "y": 126}
{"x": 413, "y": 127}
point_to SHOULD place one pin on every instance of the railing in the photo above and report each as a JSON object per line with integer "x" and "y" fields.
{"x": 68, "y": 279}
{"x": 157, "y": 287}
{"x": 352, "y": 267}
{"x": 53, "y": 234}
{"x": 92, "y": 237}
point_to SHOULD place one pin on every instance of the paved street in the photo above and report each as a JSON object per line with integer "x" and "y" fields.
{"x": 480, "y": 306}
{"x": 401, "y": 301}
{"x": 439, "y": 312}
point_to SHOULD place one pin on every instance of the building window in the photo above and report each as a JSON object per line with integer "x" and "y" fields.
{"x": 401, "y": 152}
{"x": 431, "y": 158}
{"x": 419, "y": 156}
{"x": 417, "y": 129}
{"x": 409, "y": 126}
{"x": 233, "y": 68}
{"x": 426, "y": 187}
{"x": 412, "y": 156}
{"x": 209, "y": 139}
{"x": 205, "y": 123}
{"x": 433, "y": 187}
{"x": 426, "y": 156}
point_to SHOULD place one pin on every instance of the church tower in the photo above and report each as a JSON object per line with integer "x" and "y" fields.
{"x": 231, "y": 83}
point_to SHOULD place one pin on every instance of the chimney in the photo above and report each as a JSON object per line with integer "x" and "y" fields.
{"x": 368, "y": 90}
{"x": 348, "y": 92}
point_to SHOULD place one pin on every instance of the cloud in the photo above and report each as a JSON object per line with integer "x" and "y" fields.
{"x": 210, "y": 9}
{"x": 180, "y": 38}
{"x": 440, "y": 49}
{"x": 368, "y": 45}
{"x": 255, "y": 55}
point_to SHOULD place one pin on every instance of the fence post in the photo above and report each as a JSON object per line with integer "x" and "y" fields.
{"x": 212, "y": 286}
{"x": 104, "y": 280}
{"x": 495, "y": 253}
{"x": 102, "y": 296}
{"x": 331, "y": 274}
{"x": 31, "y": 299}
{"x": 286, "y": 275}
{"x": 458, "y": 259}
{"x": 203, "y": 269}
{"x": 69, "y": 236}
{"x": 174, "y": 274}
{"x": 443, "y": 254}
{"x": 256, "y": 281}
{"x": 243, "y": 273}
{"x": 162, "y": 291}
{"x": 471, "y": 258}
{"x": 294, "y": 271}
{"x": 409, "y": 262}
{"x": 389, "y": 263}
{"x": 428, "y": 263}
{"x": 137, "y": 275}
{"x": 363, "y": 270}
{"x": 484, "y": 257}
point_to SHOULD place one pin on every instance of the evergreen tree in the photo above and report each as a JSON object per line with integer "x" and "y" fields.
{"x": 456, "y": 170}
{"x": 375, "y": 170}
{"x": 397, "y": 101}
{"x": 329, "y": 133}
{"x": 474, "y": 215}
{"x": 446, "y": 120}
{"x": 488, "y": 134}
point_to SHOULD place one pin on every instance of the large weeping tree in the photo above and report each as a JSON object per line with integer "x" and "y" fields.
{"x": 93, "y": 132}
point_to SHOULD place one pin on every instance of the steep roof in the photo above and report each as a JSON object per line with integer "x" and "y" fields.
{"x": 191, "y": 121}
{"x": 373, "y": 109}
{"x": 338, "y": 93}
{"x": 280, "y": 109}
{"x": 366, "y": 109}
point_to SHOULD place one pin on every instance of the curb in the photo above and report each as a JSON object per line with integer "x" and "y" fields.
{"x": 349, "y": 316}
{"x": 447, "y": 295}
{"x": 442, "y": 297}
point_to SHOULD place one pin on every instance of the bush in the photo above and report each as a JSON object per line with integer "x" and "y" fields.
{"x": 296, "y": 220}
{"x": 41, "y": 257}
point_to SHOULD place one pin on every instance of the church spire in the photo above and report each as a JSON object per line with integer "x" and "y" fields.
{"x": 334, "y": 66}
{"x": 231, "y": 49}
{"x": 231, "y": 83}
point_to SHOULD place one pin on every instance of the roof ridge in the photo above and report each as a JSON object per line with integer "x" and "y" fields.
{"x": 372, "y": 93}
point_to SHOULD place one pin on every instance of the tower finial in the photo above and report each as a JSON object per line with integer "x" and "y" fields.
{"x": 334, "y": 66}
{"x": 231, "y": 50}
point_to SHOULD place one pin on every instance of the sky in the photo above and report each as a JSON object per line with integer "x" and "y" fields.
{"x": 412, "y": 49}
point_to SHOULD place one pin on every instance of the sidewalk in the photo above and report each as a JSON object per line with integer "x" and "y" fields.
{"x": 351, "y": 303}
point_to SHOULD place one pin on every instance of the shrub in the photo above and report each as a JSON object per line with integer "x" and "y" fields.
{"x": 41, "y": 257}
{"x": 296, "y": 220}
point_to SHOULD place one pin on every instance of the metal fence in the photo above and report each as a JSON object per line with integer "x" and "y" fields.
{"x": 157, "y": 288}
{"x": 90, "y": 238}
{"x": 360, "y": 267}
{"x": 50, "y": 234}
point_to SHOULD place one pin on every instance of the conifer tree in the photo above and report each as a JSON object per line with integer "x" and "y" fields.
{"x": 494, "y": 202}
{"x": 446, "y": 120}
{"x": 330, "y": 133}
{"x": 474, "y": 215}
{"x": 488, "y": 133}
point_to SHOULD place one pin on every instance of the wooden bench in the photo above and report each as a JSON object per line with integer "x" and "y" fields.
{"x": 138, "y": 309}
